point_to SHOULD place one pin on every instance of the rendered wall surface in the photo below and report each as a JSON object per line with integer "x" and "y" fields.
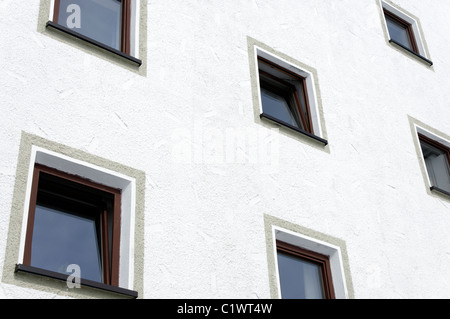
{"x": 206, "y": 195}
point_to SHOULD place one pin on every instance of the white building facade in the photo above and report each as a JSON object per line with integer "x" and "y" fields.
{"x": 213, "y": 137}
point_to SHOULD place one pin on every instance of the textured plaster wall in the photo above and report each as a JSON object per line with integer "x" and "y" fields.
{"x": 204, "y": 228}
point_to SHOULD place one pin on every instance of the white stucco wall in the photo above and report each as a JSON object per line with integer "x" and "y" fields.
{"x": 204, "y": 220}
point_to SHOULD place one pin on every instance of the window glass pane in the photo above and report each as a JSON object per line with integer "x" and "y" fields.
{"x": 437, "y": 166}
{"x": 97, "y": 19}
{"x": 61, "y": 239}
{"x": 277, "y": 106}
{"x": 398, "y": 32}
{"x": 299, "y": 279}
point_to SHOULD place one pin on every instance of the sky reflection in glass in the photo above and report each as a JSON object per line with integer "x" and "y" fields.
{"x": 61, "y": 239}
{"x": 277, "y": 107}
{"x": 99, "y": 20}
{"x": 299, "y": 279}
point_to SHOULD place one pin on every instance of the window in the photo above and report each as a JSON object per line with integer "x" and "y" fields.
{"x": 304, "y": 263}
{"x": 286, "y": 94}
{"x": 101, "y": 20}
{"x": 283, "y": 95}
{"x": 437, "y": 162}
{"x": 401, "y": 31}
{"x": 108, "y": 24}
{"x": 73, "y": 221}
{"x": 303, "y": 274}
{"x": 285, "y": 98}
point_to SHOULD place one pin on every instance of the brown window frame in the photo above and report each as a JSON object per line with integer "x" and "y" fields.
{"x": 322, "y": 260}
{"x": 110, "y": 268}
{"x": 440, "y": 146}
{"x": 126, "y": 24}
{"x": 407, "y": 26}
{"x": 294, "y": 96}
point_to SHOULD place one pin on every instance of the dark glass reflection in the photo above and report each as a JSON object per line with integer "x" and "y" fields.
{"x": 277, "y": 106}
{"x": 299, "y": 279}
{"x": 99, "y": 20}
{"x": 437, "y": 165}
{"x": 398, "y": 32}
{"x": 61, "y": 239}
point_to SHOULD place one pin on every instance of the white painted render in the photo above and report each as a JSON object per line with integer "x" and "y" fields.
{"x": 207, "y": 196}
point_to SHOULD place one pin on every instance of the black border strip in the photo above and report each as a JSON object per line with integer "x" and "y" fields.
{"x": 440, "y": 190}
{"x": 271, "y": 118}
{"x": 93, "y": 42}
{"x": 412, "y": 52}
{"x": 83, "y": 282}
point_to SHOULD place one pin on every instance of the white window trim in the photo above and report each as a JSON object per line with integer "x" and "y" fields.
{"x": 134, "y": 28}
{"x": 309, "y": 80}
{"x": 99, "y": 175}
{"x": 134, "y": 25}
{"x": 410, "y": 20}
{"x": 318, "y": 246}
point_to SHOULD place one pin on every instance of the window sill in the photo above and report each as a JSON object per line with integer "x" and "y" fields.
{"x": 423, "y": 59}
{"x": 439, "y": 190}
{"x": 77, "y": 35}
{"x": 83, "y": 282}
{"x": 273, "y": 119}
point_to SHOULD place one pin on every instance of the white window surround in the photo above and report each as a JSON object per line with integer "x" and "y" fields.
{"x": 410, "y": 20}
{"x": 434, "y": 137}
{"x": 309, "y": 81}
{"x": 315, "y": 245}
{"x": 134, "y": 26}
{"x": 99, "y": 175}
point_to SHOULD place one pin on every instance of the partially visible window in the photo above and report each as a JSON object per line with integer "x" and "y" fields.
{"x": 437, "y": 162}
{"x": 401, "y": 31}
{"x": 109, "y": 24}
{"x": 73, "y": 221}
{"x": 100, "y": 20}
{"x": 286, "y": 96}
{"x": 106, "y": 21}
{"x": 303, "y": 274}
